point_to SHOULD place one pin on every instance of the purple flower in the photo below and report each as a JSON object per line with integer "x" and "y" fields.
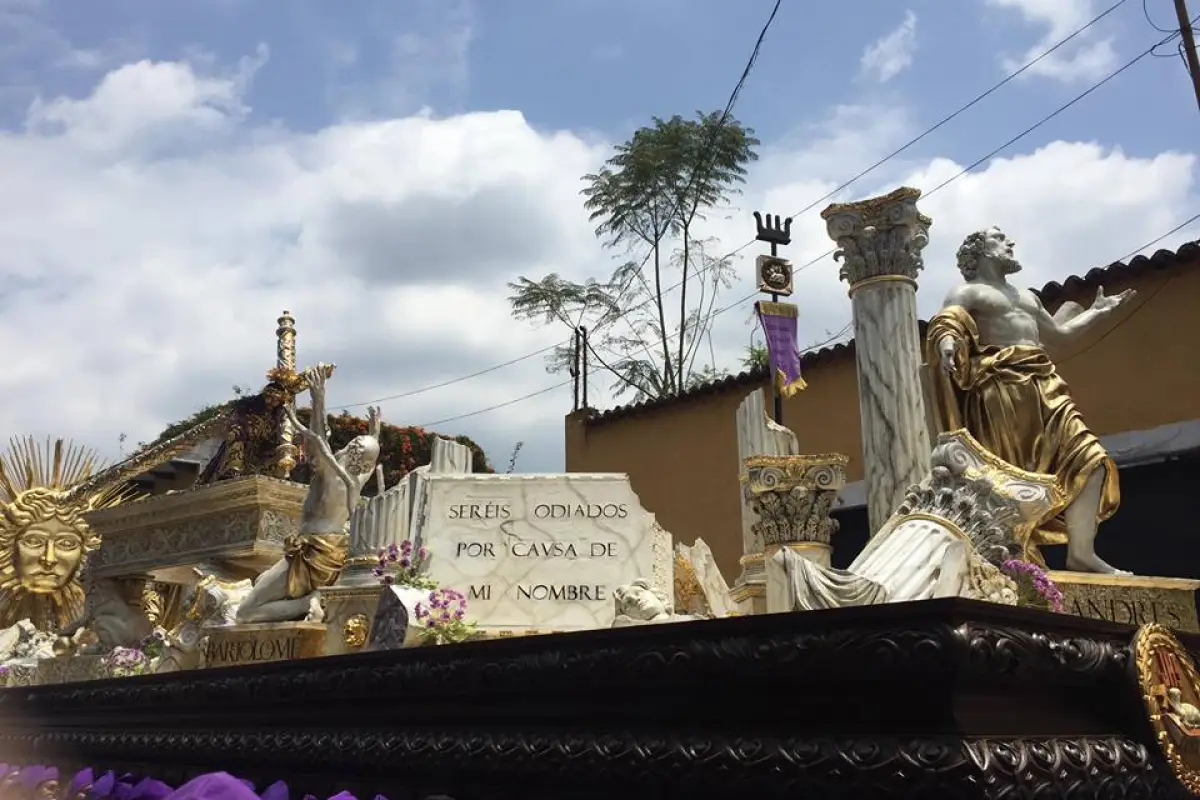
{"x": 1036, "y": 578}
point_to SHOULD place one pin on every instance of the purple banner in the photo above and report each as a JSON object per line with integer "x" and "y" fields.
{"x": 779, "y": 322}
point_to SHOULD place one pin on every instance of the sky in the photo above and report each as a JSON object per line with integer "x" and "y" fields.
{"x": 173, "y": 175}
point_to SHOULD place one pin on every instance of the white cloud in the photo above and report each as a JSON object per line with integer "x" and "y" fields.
{"x": 139, "y": 283}
{"x": 147, "y": 99}
{"x": 1086, "y": 58}
{"x": 891, "y": 54}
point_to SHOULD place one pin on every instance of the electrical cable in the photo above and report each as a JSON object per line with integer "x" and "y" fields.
{"x": 808, "y": 349}
{"x": 1008, "y": 78}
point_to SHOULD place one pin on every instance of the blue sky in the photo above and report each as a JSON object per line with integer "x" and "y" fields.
{"x": 609, "y": 65}
{"x": 178, "y": 173}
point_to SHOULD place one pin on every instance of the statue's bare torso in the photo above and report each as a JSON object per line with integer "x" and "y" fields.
{"x": 1004, "y": 314}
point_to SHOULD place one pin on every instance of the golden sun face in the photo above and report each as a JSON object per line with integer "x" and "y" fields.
{"x": 48, "y": 554}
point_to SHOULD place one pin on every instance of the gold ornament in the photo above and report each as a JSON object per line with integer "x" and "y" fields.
{"x": 44, "y": 536}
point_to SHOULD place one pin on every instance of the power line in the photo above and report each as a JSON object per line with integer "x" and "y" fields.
{"x": 729, "y": 104}
{"x": 715, "y": 132}
{"x": 970, "y": 104}
{"x": 724, "y": 309}
{"x": 1021, "y": 135}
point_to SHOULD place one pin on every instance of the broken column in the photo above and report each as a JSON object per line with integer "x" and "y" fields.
{"x": 792, "y": 497}
{"x": 880, "y": 242}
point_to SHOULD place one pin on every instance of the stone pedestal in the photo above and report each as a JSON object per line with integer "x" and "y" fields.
{"x": 792, "y": 496}
{"x": 19, "y": 675}
{"x": 880, "y": 243}
{"x": 349, "y": 614}
{"x": 1130, "y": 599}
{"x": 239, "y": 523}
{"x": 70, "y": 669}
{"x": 233, "y": 645}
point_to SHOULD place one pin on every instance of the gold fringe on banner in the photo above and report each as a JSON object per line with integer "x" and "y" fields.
{"x": 778, "y": 309}
{"x": 786, "y": 389}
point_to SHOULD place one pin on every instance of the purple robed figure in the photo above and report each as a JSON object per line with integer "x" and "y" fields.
{"x": 779, "y": 322}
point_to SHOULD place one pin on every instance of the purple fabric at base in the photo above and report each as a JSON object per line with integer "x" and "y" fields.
{"x": 214, "y": 786}
{"x": 276, "y": 791}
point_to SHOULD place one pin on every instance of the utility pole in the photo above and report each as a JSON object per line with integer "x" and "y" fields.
{"x": 1189, "y": 45}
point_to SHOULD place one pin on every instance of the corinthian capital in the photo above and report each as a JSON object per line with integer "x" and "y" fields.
{"x": 880, "y": 238}
{"x": 793, "y": 496}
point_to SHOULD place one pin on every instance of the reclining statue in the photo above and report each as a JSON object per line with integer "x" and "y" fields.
{"x": 948, "y": 538}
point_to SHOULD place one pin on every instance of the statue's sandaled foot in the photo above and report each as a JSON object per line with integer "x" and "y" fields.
{"x": 1094, "y": 563}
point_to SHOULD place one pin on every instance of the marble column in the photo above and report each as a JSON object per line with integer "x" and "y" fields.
{"x": 879, "y": 244}
{"x": 757, "y": 435}
{"x": 792, "y": 497}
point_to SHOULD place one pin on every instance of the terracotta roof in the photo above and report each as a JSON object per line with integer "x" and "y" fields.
{"x": 1051, "y": 294}
{"x": 752, "y": 377}
{"x": 1054, "y": 292}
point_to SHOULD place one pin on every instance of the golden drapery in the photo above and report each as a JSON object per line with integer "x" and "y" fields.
{"x": 314, "y": 561}
{"x": 1015, "y": 404}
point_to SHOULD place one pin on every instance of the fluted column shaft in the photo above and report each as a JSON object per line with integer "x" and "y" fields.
{"x": 880, "y": 243}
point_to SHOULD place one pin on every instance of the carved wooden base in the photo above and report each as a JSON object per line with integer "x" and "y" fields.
{"x": 942, "y": 699}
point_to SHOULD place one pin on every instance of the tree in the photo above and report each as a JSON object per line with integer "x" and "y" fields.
{"x": 756, "y": 358}
{"x": 646, "y": 201}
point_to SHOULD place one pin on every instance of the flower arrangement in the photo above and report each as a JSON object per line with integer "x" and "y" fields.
{"x": 1033, "y": 584}
{"x": 400, "y": 564}
{"x": 124, "y": 662}
{"x": 443, "y": 617}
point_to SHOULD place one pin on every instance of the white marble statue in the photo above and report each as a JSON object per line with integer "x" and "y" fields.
{"x": 947, "y": 538}
{"x": 315, "y": 557}
{"x": 213, "y": 601}
{"x": 997, "y": 381}
{"x": 639, "y": 604}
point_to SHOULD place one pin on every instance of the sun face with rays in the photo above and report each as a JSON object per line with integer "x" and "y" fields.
{"x": 44, "y": 536}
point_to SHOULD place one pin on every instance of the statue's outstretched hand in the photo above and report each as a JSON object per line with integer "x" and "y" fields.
{"x": 1106, "y": 303}
{"x": 316, "y": 376}
{"x": 374, "y": 421}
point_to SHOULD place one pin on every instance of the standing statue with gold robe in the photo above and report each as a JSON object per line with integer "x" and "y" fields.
{"x": 995, "y": 379}
{"x": 314, "y": 558}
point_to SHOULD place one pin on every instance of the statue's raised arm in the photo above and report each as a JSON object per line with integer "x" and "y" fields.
{"x": 315, "y": 557}
{"x": 994, "y": 378}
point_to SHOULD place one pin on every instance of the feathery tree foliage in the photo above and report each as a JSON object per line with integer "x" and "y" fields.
{"x": 646, "y": 201}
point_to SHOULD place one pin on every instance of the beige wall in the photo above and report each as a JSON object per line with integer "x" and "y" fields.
{"x": 682, "y": 457}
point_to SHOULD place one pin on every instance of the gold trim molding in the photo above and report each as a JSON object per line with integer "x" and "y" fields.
{"x": 1171, "y": 695}
{"x": 875, "y": 280}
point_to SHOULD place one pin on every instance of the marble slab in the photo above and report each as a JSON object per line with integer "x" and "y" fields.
{"x": 541, "y": 551}
{"x": 1130, "y": 600}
